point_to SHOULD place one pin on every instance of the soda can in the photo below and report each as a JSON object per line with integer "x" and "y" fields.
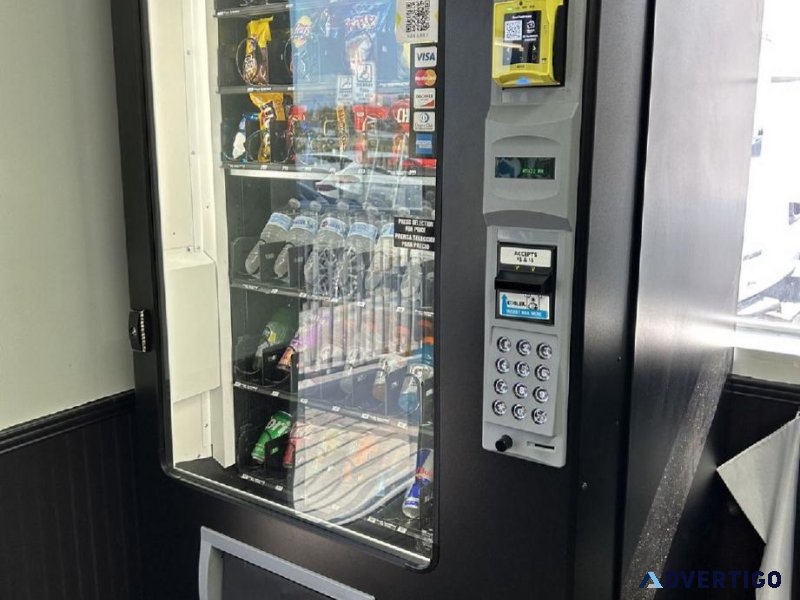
{"x": 424, "y": 473}
{"x": 279, "y": 425}
{"x": 411, "y": 503}
{"x": 422, "y": 478}
{"x": 295, "y": 439}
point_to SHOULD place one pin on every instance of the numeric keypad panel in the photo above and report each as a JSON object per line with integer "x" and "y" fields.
{"x": 521, "y": 385}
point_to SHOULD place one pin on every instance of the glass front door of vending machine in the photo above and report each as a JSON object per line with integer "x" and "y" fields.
{"x": 296, "y": 151}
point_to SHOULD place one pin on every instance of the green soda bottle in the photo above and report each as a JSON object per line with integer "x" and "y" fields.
{"x": 279, "y": 425}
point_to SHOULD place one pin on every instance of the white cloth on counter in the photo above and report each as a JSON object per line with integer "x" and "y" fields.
{"x": 763, "y": 479}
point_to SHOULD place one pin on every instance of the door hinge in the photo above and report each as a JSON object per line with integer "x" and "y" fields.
{"x": 139, "y": 330}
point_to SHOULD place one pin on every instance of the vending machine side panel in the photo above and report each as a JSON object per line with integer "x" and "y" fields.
{"x": 693, "y": 206}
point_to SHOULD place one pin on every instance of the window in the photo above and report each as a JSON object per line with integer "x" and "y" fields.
{"x": 768, "y": 331}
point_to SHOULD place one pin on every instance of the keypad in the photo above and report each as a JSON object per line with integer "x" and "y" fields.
{"x": 524, "y": 367}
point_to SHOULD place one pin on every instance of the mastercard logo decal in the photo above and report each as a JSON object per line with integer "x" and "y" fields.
{"x": 425, "y": 78}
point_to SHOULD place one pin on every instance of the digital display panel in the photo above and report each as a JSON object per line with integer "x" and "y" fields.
{"x": 525, "y": 167}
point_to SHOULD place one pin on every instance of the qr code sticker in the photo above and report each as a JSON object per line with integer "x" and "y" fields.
{"x": 418, "y": 15}
{"x": 513, "y": 31}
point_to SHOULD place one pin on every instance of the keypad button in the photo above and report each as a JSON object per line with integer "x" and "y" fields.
{"x": 520, "y": 390}
{"x": 502, "y": 365}
{"x": 500, "y": 386}
{"x": 522, "y": 369}
{"x": 542, "y": 373}
{"x": 539, "y": 416}
{"x": 504, "y": 344}
{"x": 519, "y": 411}
{"x": 499, "y": 408}
{"x": 524, "y": 347}
{"x": 541, "y": 395}
{"x": 544, "y": 351}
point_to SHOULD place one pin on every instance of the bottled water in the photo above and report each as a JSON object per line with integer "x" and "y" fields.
{"x": 320, "y": 273}
{"x": 381, "y": 265}
{"x": 359, "y": 245}
{"x": 350, "y": 280}
{"x": 301, "y": 233}
{"x": 276, "y": 230}
{"x": 320, "y": 269}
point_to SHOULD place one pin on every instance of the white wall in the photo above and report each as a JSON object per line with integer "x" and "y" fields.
{"x": 63, "y": 278}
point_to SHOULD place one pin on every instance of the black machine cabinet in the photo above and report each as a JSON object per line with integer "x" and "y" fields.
{"x": 661, "y": 181}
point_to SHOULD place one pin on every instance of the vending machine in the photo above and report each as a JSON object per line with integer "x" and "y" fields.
{"x": 393, "y": 307}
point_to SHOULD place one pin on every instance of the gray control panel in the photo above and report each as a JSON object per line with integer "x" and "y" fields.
{"x": 530, "y": 207}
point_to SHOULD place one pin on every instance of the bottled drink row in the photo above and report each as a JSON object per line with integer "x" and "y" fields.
{"x": 324, "y": 462}
{"x": 366, "y": 297}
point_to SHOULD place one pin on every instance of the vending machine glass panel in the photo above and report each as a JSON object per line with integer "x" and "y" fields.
{"x": 297, "y": 192}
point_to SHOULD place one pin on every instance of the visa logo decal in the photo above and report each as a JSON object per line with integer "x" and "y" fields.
{"x": 425, "y": 56}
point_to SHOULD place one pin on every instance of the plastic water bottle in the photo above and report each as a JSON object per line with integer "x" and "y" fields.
{"x": 320, "y": 275}
{"x": 320, "y": 269}
{"x": 350, "y": 280}
{"x": 359, "y": 245}
{"x": 381, "y": 265}
{"x": 302, "y": 232}
{"x": 276, "y": 230}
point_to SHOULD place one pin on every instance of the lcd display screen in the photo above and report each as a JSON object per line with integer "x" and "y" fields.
{"x": 525, "y": 167}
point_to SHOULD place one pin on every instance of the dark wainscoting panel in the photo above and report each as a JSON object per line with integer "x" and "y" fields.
{"x": 68, "y": 507}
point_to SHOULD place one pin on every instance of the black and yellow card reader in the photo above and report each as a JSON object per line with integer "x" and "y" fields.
{"x": 529, "y": 43}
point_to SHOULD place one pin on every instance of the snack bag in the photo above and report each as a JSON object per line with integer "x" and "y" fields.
{"x": 254, "y": 68}
{"x": 369, "y": 40}
{"x": 316, "y": 47}
{"x": 272, "y": 125}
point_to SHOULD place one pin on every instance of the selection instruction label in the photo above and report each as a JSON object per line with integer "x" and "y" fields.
{"x": 414, "y": 234}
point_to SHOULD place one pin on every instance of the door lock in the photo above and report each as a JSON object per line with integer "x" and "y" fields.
{"x": 139, "y": 330}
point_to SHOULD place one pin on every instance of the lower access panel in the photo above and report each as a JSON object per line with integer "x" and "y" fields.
{"x": 526, "y": 352}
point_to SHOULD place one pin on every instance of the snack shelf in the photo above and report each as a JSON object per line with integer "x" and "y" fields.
{"x": 425, "y": 536}
{"x": 272, "y": 8}
{"x": 253, "y": 11}
{"x": 389, "y": 422}
{"x": 277, "y": 171}
{"x": 273, "y": 290}
{"x": 316, "y": 173}
{"x": 387, "y": 87}
{"x": 273, "y": 484}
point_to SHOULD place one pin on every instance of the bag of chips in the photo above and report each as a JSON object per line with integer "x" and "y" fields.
{"x": 254, "y": 67}
{"x": 272, "y": 125}
{"x": 369, "y": 40}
